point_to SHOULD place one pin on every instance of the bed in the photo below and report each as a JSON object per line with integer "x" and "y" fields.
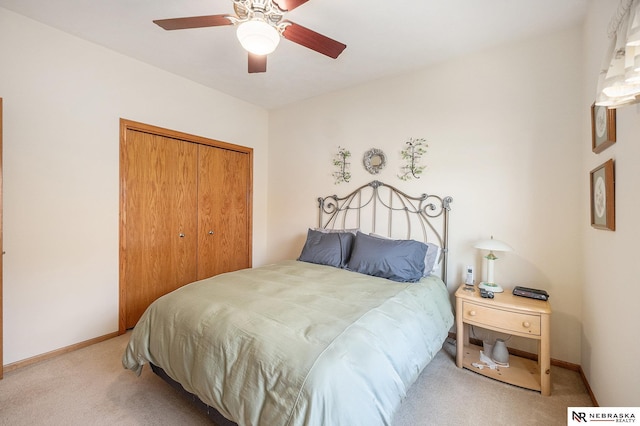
{"x": 335, "y": 337}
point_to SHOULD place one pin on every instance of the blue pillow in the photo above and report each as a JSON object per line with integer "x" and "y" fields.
{"x": 397, "y": 260}
{"x": 327, "y": 248}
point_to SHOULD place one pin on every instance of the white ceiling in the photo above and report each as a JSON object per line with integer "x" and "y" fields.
{"x": 383, "y": 38}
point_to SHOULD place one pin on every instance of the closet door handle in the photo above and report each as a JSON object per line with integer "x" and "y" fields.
{"x": 210, "y": 232}
{"x": 181, "y": 235}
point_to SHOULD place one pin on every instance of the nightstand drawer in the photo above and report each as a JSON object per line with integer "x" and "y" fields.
{"x": 517, "y": 323}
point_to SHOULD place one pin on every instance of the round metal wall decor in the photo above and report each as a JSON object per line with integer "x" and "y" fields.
{"x": 374, "y": 161}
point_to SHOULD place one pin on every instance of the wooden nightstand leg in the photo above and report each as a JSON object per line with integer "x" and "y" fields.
{"x": 462, "y": 334}
{"x": 544, "y": 357}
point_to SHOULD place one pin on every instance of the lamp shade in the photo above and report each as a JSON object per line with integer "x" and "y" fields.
{"x": 258, "y": 37}
{"x": 493, "y": 245}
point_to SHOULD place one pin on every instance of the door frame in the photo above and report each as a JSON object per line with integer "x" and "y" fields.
{"x": 126, "y": 126}
{"x": 1, "y": 256}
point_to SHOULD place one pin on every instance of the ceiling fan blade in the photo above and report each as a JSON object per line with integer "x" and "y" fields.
{"x": 193, "y": 22}
{"x": 289, "y": 4}
{"x": 257, "y": 63}
{"x": 313, "y": 40}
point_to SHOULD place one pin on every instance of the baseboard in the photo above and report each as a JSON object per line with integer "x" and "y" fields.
{"x": 39, "y": 358}
{"x": 556, "y": 362}
{"x": 586, "y": 384}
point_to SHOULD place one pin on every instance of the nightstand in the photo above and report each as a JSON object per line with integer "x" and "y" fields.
{"x": 514, "y": 315}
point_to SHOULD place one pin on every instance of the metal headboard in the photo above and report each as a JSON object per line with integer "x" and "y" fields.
{"x": 380, "y": 208}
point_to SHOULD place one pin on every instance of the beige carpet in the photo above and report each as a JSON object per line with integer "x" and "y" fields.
{"x": 90, "y": 387}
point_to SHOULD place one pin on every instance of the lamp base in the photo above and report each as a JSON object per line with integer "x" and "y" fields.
{"x": 491, "y": 287}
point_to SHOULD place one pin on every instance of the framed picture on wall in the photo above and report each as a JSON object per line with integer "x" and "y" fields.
{"x": 602, "y": 185}
{"x": 603, "y": 127}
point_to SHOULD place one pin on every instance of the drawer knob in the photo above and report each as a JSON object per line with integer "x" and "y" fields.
{"x": 526, "y": 324}
{"x": 472, "y": 313}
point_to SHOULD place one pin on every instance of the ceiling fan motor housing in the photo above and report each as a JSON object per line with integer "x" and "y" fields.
{"x": 266, "y": 10}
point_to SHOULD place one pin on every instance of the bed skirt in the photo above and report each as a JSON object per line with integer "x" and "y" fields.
{"x": 213, "y": 414}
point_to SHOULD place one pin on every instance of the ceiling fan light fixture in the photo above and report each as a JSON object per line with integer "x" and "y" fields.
{"x": 258, "y": 37}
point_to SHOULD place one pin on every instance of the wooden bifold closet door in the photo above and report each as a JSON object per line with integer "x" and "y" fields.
{"x": 223, "y": 179}
{"x": 185, "y": 213}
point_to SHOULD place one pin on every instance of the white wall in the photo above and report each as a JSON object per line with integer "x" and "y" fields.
{"x": 63, "y": 98}
{"x": 611, "y": 308}
{"x": 504, "y": 134}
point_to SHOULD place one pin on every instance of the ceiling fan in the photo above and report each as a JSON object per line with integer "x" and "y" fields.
{"x": 260, "y": 24}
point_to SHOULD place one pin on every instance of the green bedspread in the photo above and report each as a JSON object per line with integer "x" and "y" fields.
{"x": 295, "y": 343}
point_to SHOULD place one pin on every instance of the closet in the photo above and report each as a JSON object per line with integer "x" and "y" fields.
{"x": 185, "y": 213}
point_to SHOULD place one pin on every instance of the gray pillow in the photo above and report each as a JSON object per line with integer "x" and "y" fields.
{"x": 397, "y": 260}
{"x": 431, "y": 260}
{"x": 327, "y": 248}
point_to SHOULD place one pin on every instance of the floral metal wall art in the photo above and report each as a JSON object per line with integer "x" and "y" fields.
{"x": 340, "y": 161}
{"x": 412, "y": 154}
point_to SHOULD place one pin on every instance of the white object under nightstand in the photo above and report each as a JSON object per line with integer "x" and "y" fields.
{"x": 514, "y": 315}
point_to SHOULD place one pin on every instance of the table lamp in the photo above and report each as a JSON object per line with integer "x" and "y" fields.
{"x": 491, "y": 245}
